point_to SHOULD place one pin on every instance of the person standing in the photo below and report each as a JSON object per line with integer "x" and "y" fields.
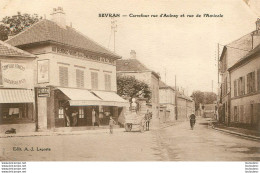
{"x": 75, "y": 118}
{"x": 93, "y": 117}
{"x": 111, "y": 124}
{"x": 67, "y": 116}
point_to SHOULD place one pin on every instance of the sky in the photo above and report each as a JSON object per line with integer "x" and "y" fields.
{"x": 182, "y": 47}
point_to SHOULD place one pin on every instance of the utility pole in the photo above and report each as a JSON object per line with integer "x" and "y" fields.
{"x": 165, "y": 74}
{"x": 212, "y": 86}
{"x": 176, "y": 95}
{"x": 114, "y": 30}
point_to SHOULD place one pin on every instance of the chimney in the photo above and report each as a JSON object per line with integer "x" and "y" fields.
{"x": 132, "y": 54}
{"x": 58, "y": 16}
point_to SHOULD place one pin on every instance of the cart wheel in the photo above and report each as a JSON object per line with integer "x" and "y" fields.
{"x": 128, "y": 127}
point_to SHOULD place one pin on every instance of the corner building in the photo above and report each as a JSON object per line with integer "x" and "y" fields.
{"x": 77, "y": 71}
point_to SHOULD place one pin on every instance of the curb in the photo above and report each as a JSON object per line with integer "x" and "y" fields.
{"x": 237, "y": 134}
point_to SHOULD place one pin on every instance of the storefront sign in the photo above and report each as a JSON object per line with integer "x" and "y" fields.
{"x": 15, "y": 75}
{"x": 65, "y": 51}
{"x": 43, "y": 71}
{"x": 43, "y": 92}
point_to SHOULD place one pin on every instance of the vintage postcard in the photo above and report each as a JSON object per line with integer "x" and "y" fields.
{"x": 131, "y": 80}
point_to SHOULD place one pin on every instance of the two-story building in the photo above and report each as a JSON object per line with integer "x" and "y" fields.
{"x": 232, "y": 53}
{"x": 79, "y": 73}
{"x": 17, "y": 101}
{"x": 245, "y": 90}
{"x": 167, "y": 101}
{"x": 133, "y": 67}
{"x": 185, "y": 106}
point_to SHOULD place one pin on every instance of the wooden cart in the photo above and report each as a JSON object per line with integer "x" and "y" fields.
{"x": 135, "y": 122}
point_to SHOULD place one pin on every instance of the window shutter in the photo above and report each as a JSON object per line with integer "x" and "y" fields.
{"x": 94, "y": 80}
{"x": 243, "y": 85}
{"x": 80, "y": 78}
{"x": 63, "y": 76}
{"x": 107, "y": 82}
{"x": 239, "y": 87}
{"x": 248, "y": 83}
{"x": 253, "y": 81}
{"x": 258, "y": 79}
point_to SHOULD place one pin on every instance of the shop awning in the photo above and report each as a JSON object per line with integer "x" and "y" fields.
{"x": 80, "y": 97}
{"x": 111, "y": 99}
{"x": 16, "y": 96}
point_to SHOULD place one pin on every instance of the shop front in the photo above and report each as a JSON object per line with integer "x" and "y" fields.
{"x": 16, "y": 89}
{"x": 80, "y": 107}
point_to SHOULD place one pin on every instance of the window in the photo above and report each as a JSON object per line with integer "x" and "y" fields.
{"x": 63, "y": 72}
{"x": 107, "y": 82}
{"x": 258, "y": 80}
{"x": 241, "y": 113}
{"x": 81, "y": 112}
{"x": 80, "y": 78}
{"x": 241, "y": 86}
{"x": 251, "y": 82}
{"x": 94, "y": 80}
{"x": 235, "y": 114}
{"x": 235, "y": 88}
{"x": 61, "y": 112}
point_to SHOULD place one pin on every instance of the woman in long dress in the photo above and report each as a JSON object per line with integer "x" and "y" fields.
{"x": 93, "y": 117}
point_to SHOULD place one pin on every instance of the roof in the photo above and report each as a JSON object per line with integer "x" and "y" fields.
{"x": 179, "y": 95}
{"x": 132, "y": 65}
{"x": 242, "y": 45}
{"x": 162, "y": 85}
{"x": 246, "y": 58}
{"x": 48, "y": 31}
{"x": 11, "y": 51}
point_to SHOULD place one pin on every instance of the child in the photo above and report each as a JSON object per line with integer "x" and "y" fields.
{"x": 111, "y": 124}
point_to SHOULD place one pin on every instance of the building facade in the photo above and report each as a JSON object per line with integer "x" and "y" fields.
{"x": 76, "y": 77}
{"x": 133, "y": 67}
{"x": 17, "y": 101}
{"x": 232, "y": 53}
{"x": 167, "y": 101}
{"x": 245, "y": 90}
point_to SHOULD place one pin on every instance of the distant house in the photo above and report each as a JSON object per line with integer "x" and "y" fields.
{"x": 167, "y": 102}
{"x": 133, "y": 67}
{"x": 245, "y": 90}
{"x": 230, "y": 55}
{"x": 185, "y": 107}
{"x": 209, "y": 110}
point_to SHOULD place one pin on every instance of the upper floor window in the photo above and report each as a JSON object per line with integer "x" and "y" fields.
{"x": 251, "y": 82}
{"x": 241, "y": 86}
{"x": 258, "y": 80}
{"x": 107, "y": 82}
{"x": 63, "y": 76}
{"x": 94, "y": 80}
{"x": 235, "y": 88}
{"x": 80, "y": 78}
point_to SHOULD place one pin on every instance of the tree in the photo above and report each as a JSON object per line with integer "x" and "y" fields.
{"x": 203, "y": 98}
{"x": 12, "y": 25}
{"x": 129, "y": 86}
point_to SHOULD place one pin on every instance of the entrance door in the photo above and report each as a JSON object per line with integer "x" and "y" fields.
{"x": 252, "y": 113}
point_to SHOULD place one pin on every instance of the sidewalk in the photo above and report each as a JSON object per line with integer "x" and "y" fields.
{"x": 53, "y": 133}
{"x": 246, "y": 133}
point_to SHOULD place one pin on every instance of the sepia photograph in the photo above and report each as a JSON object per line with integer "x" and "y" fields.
{"x": 132, "y": 80}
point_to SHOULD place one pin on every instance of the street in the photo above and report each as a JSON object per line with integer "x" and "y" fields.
{"x": 173, "y": 143}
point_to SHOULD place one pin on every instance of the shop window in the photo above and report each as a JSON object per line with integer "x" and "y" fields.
{"x": 80, "y": 78}
{"x": 81, "y": 112}
{"x": 94, "y": 80}
{"x": 107, "y": 82}
{"x": 63, "y": 76}
{"x": 61, "y": 112}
